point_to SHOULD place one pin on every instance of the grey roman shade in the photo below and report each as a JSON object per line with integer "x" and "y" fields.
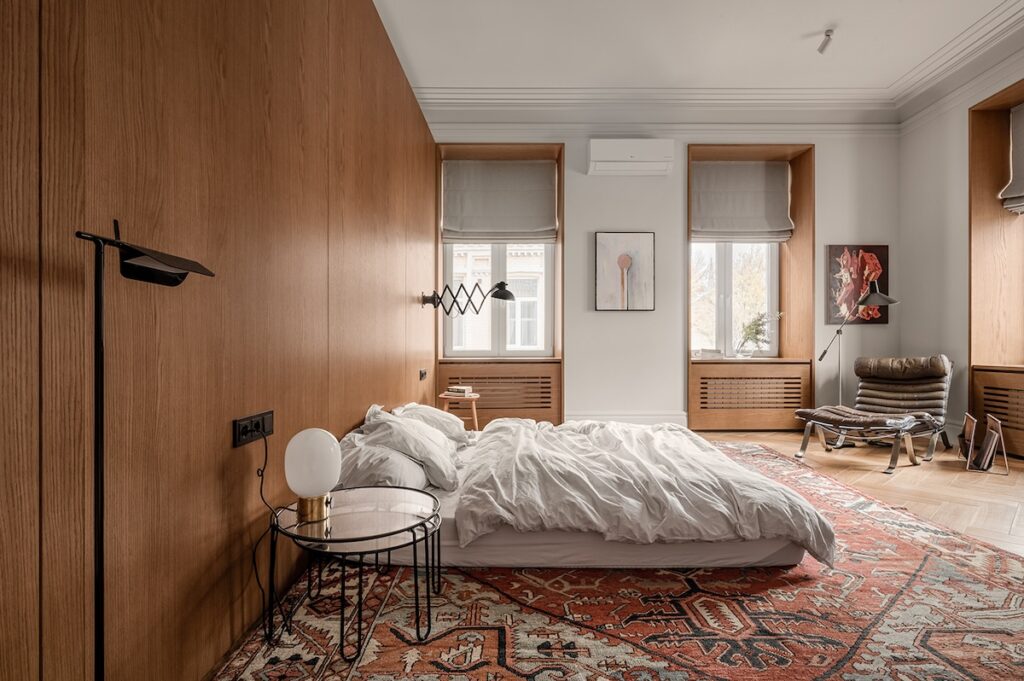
{"x": 740, "y": 201}
{"x": 499, "y": 201}
{"x": 1013, "y": 193}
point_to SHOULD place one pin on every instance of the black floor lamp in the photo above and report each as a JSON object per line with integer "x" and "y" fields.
{"x": 873, "y": 297}
{"x": 140, "y": 264}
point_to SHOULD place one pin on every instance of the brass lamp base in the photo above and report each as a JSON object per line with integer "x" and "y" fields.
{"x": 311, "y": 509}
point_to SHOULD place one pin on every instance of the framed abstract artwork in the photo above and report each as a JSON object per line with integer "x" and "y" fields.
{"x": 624, "y": 271}
{"x": 850, "y": 270}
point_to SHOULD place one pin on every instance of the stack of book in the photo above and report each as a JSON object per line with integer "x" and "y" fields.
{"x": 460, "y": 390}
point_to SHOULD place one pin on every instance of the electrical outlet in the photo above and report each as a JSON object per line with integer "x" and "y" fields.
{"x": 423, "y": 374}
{"x": 249, "y": 428}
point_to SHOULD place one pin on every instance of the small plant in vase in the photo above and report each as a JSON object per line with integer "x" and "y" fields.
{"x": 755, "y": 335}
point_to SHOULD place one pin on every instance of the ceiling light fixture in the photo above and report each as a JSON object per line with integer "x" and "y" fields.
{"x": 825, "y": 41}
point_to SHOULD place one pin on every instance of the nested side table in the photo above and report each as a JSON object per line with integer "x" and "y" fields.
{"x": 363, "y": 524}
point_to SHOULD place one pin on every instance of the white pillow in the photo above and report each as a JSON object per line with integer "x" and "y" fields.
{"x": 449, "y": 424}
{"x": 424, "y": 444}
{"x": 376, "y": 414}
{"x": 363, "y": 465}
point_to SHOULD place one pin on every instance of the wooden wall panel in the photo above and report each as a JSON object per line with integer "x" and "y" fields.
{"x": 66, "y": 471}
{"x": 796, "y": 264}
{"x": 237, "y": 133}
{"x": 996, "y": 245}
{"x": 19, "y": 338}
{"x": 381, "y": 160}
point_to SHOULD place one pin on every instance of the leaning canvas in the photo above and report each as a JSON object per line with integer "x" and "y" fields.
{"x": 624, "y": 271}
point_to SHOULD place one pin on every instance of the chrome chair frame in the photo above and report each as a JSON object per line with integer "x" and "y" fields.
{"x": 902, "y": 435}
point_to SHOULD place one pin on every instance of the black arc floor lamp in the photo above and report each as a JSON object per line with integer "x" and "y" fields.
{"x": 140, "y": 264}
{"x": 874, "y": 297}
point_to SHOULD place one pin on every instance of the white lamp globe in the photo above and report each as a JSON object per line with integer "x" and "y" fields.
{"x": 312, "y": 462}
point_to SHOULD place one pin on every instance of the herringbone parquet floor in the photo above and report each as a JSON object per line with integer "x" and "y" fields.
{"x": 987, "y": 506}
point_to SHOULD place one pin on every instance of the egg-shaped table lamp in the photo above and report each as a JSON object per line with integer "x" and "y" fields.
{"x": 312, "y": 466}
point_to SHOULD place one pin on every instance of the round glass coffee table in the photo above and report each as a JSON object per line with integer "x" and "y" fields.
{"x": 363, "y": 524}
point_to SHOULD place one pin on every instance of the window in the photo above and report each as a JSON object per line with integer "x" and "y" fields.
{"x": 523, "y": 327}
{"x": 734, "y": 298}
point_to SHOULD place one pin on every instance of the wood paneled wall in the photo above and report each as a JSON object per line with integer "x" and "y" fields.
{"x": 382, "y": 230}
{"x": 996, "y": 244}
{"x": 279, "y": 144}
{"x": 796, "y": 265}
{"x": 19, "y": 338}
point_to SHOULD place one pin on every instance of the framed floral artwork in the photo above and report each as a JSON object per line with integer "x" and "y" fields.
{"x": 850, "y": 270}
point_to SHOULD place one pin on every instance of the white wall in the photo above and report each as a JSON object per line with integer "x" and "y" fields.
{"x": 631, "y": 365}
{"x": 623, "y": 365}
{"x": 934, "y": 225}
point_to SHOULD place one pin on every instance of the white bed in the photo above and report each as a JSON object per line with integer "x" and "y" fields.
{"x": 647, "y": 497}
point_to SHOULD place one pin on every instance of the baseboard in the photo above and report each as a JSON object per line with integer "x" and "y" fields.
{"x": 643, "y": 418}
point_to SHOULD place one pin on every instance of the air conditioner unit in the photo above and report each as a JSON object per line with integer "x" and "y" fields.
{"x": 631, "y": 156}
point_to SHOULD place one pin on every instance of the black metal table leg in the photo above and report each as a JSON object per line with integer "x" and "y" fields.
{"x": 271, "y": 604}
{"x": 427, "y": 578}
{"x": 358, "y": 613}
{"x": 359, "y": 609}
{"x": 437, "y": 561}
{"x": 421, "y": 635}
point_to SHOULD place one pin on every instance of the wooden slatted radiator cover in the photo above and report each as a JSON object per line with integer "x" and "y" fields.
{"x": 1000, "y": 391}
{"x": 759, "y": 394}
{"x": 529, "y": 390}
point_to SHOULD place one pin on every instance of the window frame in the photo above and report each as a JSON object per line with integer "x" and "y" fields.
{"x": 499, "y": 321}
{"x": 724, "y": 340}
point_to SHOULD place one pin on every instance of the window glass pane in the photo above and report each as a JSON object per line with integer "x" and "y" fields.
{"x": 751, "y": 297}
{"x": 471, "y": 264}
{"x": 528, "y": 320}
{"x": 527, "y": 279}
{"x": 703, "y": 297}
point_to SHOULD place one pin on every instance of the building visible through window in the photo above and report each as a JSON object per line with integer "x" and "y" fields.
{"x": 521, "y": 327}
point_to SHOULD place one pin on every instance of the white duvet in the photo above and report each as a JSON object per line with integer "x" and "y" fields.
{"x": 630, "y": 483}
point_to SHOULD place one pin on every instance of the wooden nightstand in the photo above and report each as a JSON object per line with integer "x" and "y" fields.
{"x": 448, "y": 398}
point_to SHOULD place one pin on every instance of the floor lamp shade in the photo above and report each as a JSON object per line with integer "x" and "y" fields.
{"x": 875, "y": 297}
{"x": 139, "y": 264}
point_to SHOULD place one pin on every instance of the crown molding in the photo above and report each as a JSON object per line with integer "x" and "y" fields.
{"x": 1004, "y": 20}
{"x": 639, "y": 104}
{"x": 542, "y": 132}
{"x": 1006, "y": 73}
{"x": 439, "y": 98}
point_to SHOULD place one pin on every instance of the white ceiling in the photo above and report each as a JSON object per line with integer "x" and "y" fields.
{"x": 515, "y": 54}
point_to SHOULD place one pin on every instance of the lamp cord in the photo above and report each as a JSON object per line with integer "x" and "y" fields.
{"x": 273, "y": 512}
{"x": 262, "y": 469}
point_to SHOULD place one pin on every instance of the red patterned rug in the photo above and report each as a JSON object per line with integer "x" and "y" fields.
{"x": 906, "y": 600}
